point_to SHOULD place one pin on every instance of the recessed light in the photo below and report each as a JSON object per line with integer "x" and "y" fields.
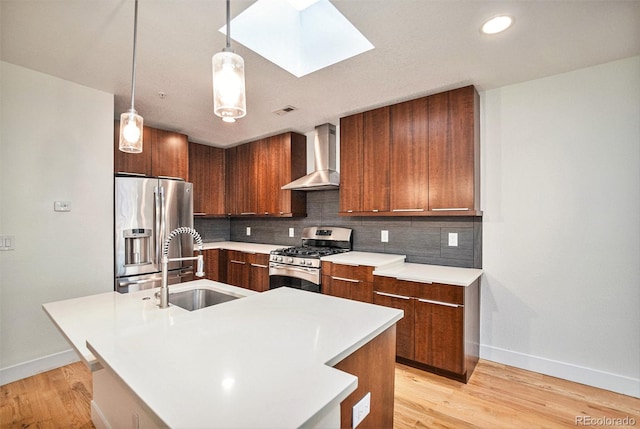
{"x": 497, "y": 24}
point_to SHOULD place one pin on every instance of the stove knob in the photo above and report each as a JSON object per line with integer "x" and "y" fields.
{"x": 290, "y": 260}
{"x": 279, "y": 258}
{"x": 309, "y": 263}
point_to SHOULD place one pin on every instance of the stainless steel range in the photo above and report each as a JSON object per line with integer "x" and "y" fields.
{"x": 300, "y": 267}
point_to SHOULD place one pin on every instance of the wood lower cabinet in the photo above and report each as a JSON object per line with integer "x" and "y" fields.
{"x": 246, "y": 270}
{"x": 259, "y": 272}
{"x": 207, "y": 169}
{"x": 212, "y": 264}
{"x": 164, "y": 153}
{"x": 440, "y": 331}
{"x": 348, "y": 281}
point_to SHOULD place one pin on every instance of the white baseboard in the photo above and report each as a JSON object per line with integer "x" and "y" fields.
{"x": 36, "y": 366}
{"x": 580, "y": 374}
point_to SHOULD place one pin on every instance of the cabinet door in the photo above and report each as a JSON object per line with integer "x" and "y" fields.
{"x": 207, "y": 173}
{"x": 406, "y": 326}
{"x": 237, "y": 269}
{"x": 169, "y": 154}
{"x": 453, "y": 150}
{"x": 269, "y": 158}
{"x": 409, "y": 160}
{"x": 439, "y": 335}
{"x": 241, "y": 176}
{"x": 351, "y": 167}
{"x": 259, "y": 272}
{"x": 212, "y": 264}
{"x": 291, "y": 164}
{"x": 138, "y": 163}
{"x": 338, "y": 288}
{"x": 375, "y": 155}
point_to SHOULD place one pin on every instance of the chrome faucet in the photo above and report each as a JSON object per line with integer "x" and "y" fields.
{"x": 164, "y": 288}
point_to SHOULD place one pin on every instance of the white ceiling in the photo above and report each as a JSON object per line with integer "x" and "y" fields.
{"x": 421, "y": 47}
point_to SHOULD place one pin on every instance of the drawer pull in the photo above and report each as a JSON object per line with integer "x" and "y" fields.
{"x": 407, "y": 210}
{"x": 346, "y": 280}
{"x": 247, "y": 213}
{"x": 406, "y": 279}
{"x": 375, "y": 210}
{"x": 451, "y": 209}
{"x": 199, "y": 214}
{"x": 259, "y": 265}
{"x": 391, "y": 295}
{"x": 233, "y": 261}
{"x": 446, "y": 304}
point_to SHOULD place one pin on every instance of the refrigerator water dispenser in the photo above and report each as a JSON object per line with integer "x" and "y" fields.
{"x": 137, "y": 246}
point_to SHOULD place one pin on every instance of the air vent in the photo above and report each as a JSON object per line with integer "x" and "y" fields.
{"x": 285, "y": 110}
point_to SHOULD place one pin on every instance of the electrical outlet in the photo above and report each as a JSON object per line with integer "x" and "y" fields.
{"x": 7, "y": 242}
{"x": 62, "y": 206}
{"x": 292, "y": 232}
{"x": 248, "y": 230}
{"x": 384, "y": 236}
{"x": 361, "y": 409}
{"x": 453, "y": 239}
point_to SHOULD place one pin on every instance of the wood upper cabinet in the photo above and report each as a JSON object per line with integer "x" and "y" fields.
{"x": 207, "y": 173}
{"x": 409, "y": 157}
{"x": 364, "y": 160}
{"x": 454, "y": 152}
{"x": 351, "y": 165}
{"x": 416, "y": 158}
{"x": 256, "y": 172}
{"x": 164, "y": 153}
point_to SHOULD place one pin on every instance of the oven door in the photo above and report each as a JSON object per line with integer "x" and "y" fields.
{"x": 292, "y": 276}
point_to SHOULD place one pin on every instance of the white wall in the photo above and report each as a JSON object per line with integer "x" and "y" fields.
{"x": 561, "y": 226}
{"x": 56, "y": 143}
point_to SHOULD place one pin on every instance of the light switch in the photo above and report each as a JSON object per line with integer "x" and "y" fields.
{"x": 292, "y": 232}
{"x": 384, "y": 236}
{"x": 453, "y": 239}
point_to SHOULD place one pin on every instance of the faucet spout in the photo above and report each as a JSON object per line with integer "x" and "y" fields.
{"x": 164, "y": 287}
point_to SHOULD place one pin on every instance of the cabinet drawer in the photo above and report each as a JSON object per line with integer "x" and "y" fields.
{"x": 258, "y": 259}
{"x": 354, "y": 272}
{"x": 236, "y": 256}
{"x": 430, "y": 291}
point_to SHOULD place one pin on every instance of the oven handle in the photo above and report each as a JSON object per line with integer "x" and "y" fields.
{"x": 293, "y": 268}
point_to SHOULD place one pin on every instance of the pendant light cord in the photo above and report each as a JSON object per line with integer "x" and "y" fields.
{"x": 228, "y": 48}
{"x": 133, "y": 68}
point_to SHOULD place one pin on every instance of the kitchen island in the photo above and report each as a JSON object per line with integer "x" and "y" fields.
{"x": 284, "y": 358}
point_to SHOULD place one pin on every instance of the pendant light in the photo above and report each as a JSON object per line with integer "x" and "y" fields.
{"x": 130, "y": 121}
{"x": 229, "y": 99}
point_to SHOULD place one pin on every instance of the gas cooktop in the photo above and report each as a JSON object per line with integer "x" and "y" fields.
{"x": 308, "y": 251}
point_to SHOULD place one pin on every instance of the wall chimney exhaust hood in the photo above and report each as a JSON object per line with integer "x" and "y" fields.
{"x": 325, "y": 175}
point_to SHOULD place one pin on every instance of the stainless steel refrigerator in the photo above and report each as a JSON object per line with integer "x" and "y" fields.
{"x": 146, "y": 211}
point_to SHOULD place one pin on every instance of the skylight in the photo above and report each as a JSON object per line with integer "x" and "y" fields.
{"x": 301, "y": 36}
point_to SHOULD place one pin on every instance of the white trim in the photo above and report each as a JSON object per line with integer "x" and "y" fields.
{"x": 36, "y": 366}
{"x": 579, "y": 374}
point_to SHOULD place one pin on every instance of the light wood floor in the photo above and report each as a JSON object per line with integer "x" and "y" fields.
{"x": 496, "y": 396}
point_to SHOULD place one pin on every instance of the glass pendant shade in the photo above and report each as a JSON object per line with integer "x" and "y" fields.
{"x": 131, "y": 132}
{"x": 229, "y": 100}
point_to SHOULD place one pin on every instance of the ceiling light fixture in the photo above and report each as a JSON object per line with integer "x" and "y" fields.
{"x": 497, "y": 24}
{"x": 130, "y": 122}
{"x": 229, "y": 98}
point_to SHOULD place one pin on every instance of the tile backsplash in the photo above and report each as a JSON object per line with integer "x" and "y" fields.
{"x": 422, "y": 239}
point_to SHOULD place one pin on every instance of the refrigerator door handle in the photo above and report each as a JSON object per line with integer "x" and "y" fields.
{"x": 159, "y": 221}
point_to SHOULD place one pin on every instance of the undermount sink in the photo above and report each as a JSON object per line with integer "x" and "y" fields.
{"x": 195, "y": 299}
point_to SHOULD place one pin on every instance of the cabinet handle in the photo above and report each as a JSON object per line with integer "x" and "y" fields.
{"x": 247, "y": 213}
{"x": 451, "y": 209}
{"x": 391, "y": 295}
{"x": 233, "y": 261}
{"x": 446, "y": 304}
{"x": 375, "y": 210}
{"x": 347, "y": 264}
{"x": 199, "y": 214}
{"x": 259, "y": 266}
{"x": 405, "y": 279}
{"x": 266, "y": 213}
{"x": 349, "y": 211}
{"x": 407, "y": 210}
{"x": 346, "y": 280}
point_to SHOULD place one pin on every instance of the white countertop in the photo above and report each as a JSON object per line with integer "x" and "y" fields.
{"x": 243, "y": 247}
{"x": 424, "y": 273}
{"x": 365, "y": 258}
{"x": 263, "y": 361}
